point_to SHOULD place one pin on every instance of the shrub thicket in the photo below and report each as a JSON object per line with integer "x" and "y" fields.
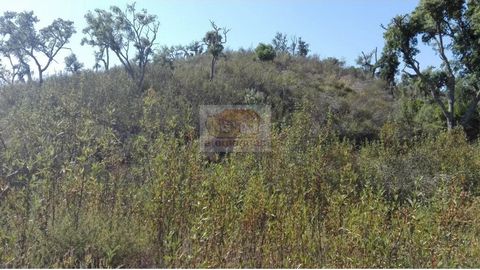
{"x": 94, "y": 174}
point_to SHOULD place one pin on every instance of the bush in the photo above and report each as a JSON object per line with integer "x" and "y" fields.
{"x": 265, "y": 52}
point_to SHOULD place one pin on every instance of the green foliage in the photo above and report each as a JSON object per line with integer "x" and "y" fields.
{"x": 388, "y": 66}
{"x": 265, "y": 52}
{"x": 302, "y": 47}
{"x": 95, "y": 174}
{"x": 22, "y": 43}
{"x": 117, "y": 30}
{"x": 449, "y": 28}
{"x": 92, "y": 174}
{"x": 418, "y": 117}
{"x": 280, "y": 43}
{"x": 369, "y": 63}
{"x": 297, "y": 46}
{"x": 214, "y": 41}
{"x": 72, "y": 64}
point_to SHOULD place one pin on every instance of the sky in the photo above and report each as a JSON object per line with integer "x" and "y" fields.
{"x": 333, "y": 28}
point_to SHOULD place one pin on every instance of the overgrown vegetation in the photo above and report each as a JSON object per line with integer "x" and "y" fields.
{"x": 97, "y": 170}
{"x": 94, "y": 175}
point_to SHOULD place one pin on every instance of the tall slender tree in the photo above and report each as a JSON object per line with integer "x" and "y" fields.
{"x": 280, "y": 43}
{"x": 302, "y": 47}
{"x": 214, "y": 40}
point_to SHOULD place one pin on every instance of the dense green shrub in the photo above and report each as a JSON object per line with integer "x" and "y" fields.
{"x": 265, "y": 52}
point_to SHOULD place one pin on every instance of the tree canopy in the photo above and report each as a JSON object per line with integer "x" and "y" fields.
{"x": 22, "y": 43}
{"x": 119, "y": 31}
{"x": 451, "y": 29}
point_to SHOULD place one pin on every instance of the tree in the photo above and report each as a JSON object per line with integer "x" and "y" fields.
{"x": 72, "y": 64}
{"x": 6, "y": 76}
{"x": 118, "y": 31}
{"x": 195, "y": 48}
{"x": 16, "y": 70}
{"x": 369, "y": 62}
{"x": 23, "y": 42}
{"x": 280, "y": 43}
{"x": 166, "y": 56}
{"x": 293, "y": 45}
{"x": 214, "y": 41}
{"x": 302, "y": 47}
{"x": 265, "y": 52}
{"x": 100, "y": 33}
{"x": 452, "y": 29}
{"x": 17, "y": 66}
{"x": 181, "y": 51}
{"x": 388, "y": 66}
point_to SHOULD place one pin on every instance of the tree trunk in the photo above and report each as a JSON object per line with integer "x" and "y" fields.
{"x": 212, "y": 68}
{"x": 27, "y": 69}
{"x": 141, "y": 79}
{"x": 40, "y": 75}
{"x": 450, "y": 122}
{"x": 451, "y": 104}
{"x": 29, "y": 74}
{"x": 107, "y": 64}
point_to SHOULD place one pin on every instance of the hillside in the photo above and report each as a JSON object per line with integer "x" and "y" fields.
{"x": 96, "y": 173}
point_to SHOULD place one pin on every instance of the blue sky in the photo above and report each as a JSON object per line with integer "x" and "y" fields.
{"x": 341, "y": 28}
